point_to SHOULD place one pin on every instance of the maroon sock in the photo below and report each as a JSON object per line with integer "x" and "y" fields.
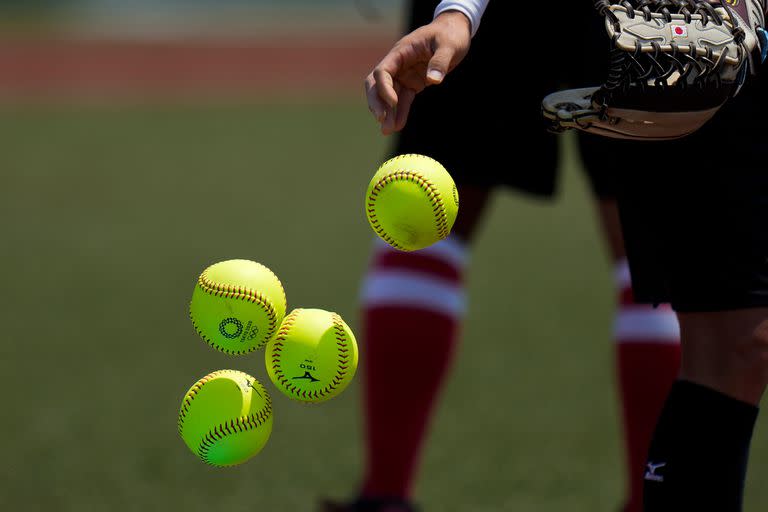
{"x": 413, "y": 306}
{"x": 647, "y": 363}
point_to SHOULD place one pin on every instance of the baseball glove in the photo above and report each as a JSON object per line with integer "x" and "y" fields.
{"x": 674, "y": 63}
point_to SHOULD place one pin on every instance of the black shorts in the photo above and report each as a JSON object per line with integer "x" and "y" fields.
{"x": 695, "y": 211}
{"x": 467, "y": 122}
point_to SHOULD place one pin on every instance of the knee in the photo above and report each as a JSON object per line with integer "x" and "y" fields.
{"x": 727, "y": 351}
{"x": 747, "y": 358}
{"x": 754, "y": 352}
{"x": 727, "y": 347}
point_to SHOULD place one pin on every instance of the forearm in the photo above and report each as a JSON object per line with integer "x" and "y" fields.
{"x": 472, "y": 9}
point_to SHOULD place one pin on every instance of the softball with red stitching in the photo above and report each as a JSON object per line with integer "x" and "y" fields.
{"x": 411, "y": 202}
{"x": 225, "y": 418}
{"x": 237, "y": 306}
{"x": 313, "y": 357}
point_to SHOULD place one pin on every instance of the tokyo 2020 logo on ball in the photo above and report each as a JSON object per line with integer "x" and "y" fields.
{"x": 231, "y": 328}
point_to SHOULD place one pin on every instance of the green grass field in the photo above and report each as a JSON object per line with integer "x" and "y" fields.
{"x": 107, "y": 216}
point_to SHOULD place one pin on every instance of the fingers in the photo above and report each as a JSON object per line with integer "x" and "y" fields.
{"x": 440, "y": 63}
{"x": 375, "y": 104}
{"x": 383, "y": 109}
{"x": 403, "y": 108}
{"x": 383, "y": 79}
{"x": 380, "y": 87}
{"x": 418, "y": 60}
{"x": 395, "y": 118}
{"x": 390, "y": 117}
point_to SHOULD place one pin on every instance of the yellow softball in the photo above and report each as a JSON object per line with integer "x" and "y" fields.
{"x": 225, "y": 418}
{"x": 237, "y": 306}
{"x": 411, "y": 202}
{"x": 313, "y": 357}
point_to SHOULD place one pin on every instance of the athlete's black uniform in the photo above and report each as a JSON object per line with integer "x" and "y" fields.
{"x": 694, "y": 211}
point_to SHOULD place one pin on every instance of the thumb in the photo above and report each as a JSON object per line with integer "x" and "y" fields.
{"x": 439, "y": 64}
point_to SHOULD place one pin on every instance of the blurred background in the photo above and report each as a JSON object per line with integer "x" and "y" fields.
{"x": 142, "y": 140}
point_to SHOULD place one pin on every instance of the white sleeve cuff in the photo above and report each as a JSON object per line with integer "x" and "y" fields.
{"x": 472, "y": 9}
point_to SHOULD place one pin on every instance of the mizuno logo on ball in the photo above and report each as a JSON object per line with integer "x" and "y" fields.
{"x": 308, "y": 376}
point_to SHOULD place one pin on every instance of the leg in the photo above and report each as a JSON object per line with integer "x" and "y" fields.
{"x": 647, "y": 339}
{"x": 727, "y": 351}
{"x": 413, "y": 305}
{"x": 698, "y": 457}
{"x": 696, "y": 238}
{"x": 647, "y": 359}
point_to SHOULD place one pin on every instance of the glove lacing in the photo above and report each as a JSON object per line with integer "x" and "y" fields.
{"x": 632, "y": 70}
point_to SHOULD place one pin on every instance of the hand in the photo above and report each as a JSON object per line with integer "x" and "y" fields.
{"x": 419, "y": 59}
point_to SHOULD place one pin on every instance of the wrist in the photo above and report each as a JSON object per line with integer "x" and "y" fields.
{"x": 456, "y": 19}
{"x": 472, "y": 9}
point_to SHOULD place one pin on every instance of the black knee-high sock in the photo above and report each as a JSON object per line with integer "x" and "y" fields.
{"x": 698, "y": 457}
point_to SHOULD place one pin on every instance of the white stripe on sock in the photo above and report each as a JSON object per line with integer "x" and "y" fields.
{"x": 413, "y": 289}
{"x": 642, "y": 323}
{"x": 621, "y": 275}
{"x": 451, "y": 250}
